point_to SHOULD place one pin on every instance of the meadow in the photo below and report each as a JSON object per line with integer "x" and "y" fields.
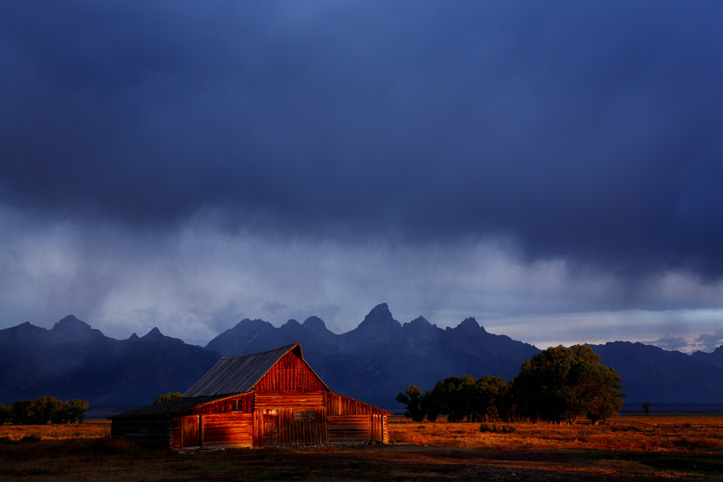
{"x": 640, "y": 448}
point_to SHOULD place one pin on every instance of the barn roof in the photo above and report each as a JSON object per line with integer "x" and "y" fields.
{"x": 167, "y": 408}
{"x": 239, "y": 374}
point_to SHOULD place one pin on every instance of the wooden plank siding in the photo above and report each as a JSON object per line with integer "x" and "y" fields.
{"x": 302, "y": 427}
{"x": 288, "y": 400}
{"x": 277, "y": 403}
{"x": 289, "y": 374}
{"x": 227, "y": 430}
{"x": 340, "y": 405}
{"x": 238, "y": 403}
{"x": 349, "y": 428}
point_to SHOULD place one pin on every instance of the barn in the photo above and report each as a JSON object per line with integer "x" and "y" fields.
{"x": 272, "y": 398}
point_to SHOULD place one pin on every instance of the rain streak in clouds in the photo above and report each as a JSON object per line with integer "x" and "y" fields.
{"x": 554, "y": 170}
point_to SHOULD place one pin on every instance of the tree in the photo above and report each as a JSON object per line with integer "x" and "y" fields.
{"x": 560, "y": 384}
{"x": 490, "y": 398}
{"x": 466, "y": 398}
{"x": 76, "y": 410}
{"x": 412, "y": 398}
{"x": 168, "y": 397}
{"x": 6, "y": 413}
{"x": 20, "y": 412}
{"x": 646, "y": 408}
{"x": 448, "y": 398}
{"x": 45, "y": 409}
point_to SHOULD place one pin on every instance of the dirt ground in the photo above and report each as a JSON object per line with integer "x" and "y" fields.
{"x": 113, "y": 460}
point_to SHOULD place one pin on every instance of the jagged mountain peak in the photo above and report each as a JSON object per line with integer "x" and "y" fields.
{"x": 71, "y": 328}
{"x": 470, "y": 325}
{"x": 419, "y": 322}
{"x": 71, "y": 322}
{"x": 153, "y": 335}
{"x": 379, "y": 318}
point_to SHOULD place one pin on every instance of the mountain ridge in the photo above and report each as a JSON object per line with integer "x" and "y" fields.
{"x": 372, "y": 362}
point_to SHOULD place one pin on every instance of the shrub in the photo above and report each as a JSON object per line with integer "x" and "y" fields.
{"x": 496, "y": 428}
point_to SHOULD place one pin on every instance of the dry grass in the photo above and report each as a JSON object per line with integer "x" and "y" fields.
{"x": 419, "y": 451}
{"x": 90, "y": 429}
{"x": 623, "y": 433}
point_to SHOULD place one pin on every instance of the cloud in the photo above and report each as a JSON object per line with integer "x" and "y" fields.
{"x": 580, "y": 132}
{"x": 199, "y": 281}
{"x": 709, "y": 341}
{"x": 671, "y": 343}
{"x": 186, "y": 165}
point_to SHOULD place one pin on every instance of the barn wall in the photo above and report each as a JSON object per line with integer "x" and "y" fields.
{"x": 289, "y": 400}
{"x": 350, "y": 420}
{"x": 302, "y": 426}
{"x": 290, "y": 373}
{"x": 155, "y": 432}
{"x": 349, "y": 428}
{"x": 227, "y": 430}
{"x": 238, "y": 403}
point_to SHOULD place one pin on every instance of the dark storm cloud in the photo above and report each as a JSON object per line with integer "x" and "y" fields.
{"x": 583, "y": 131}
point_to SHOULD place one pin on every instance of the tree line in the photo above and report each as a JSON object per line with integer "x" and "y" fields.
{"x": 43, "y": 410}
{"x": 556, "y": 385}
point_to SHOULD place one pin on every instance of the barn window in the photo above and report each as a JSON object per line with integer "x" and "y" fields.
{"x": 298, "y": 414}
{"x": 309, "y": 415}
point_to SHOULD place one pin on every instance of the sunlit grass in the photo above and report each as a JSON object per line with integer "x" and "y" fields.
{"x": 453, "y": 452}
{"x": 90, "y": 429}
{"x": 654, "y": 433}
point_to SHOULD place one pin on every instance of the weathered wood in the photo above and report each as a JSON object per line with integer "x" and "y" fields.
{"x": 288, "y": 400}
{"x": 337, "y": 404}
{"x": 191, "y": 432}
{"x": 227, "y": 430}
{"x": 270, "y": 428}
{"x": 290, "y": 373}
{"x": 284, "y": 403}
{"x": 349, "y": 428}
{"x": 302, "y": 426}
{"x": 237, "y": 403}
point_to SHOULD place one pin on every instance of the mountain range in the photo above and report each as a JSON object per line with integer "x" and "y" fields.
{"x": 372, "y": 362}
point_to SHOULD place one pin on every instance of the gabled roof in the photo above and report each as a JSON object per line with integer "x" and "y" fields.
{"x": 239, "y": 374}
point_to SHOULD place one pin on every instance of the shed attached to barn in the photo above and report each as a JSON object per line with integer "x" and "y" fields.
{"x": 264, "y": 399}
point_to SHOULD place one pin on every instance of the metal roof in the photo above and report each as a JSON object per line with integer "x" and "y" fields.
{"x": 239, "y": 374}
{"x": 167, "y": 408}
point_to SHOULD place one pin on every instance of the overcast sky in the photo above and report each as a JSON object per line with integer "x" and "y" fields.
{"x": 554, "y": 169}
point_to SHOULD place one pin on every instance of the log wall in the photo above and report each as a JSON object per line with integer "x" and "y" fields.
{"x": 350, "y": 420}
{"x": 349, "y": 428}
{"x": 227, "y": 430}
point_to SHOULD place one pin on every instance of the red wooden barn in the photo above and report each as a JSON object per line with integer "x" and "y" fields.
{"x": 263, "y": 399}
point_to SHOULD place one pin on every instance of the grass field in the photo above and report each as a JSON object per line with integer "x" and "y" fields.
{"x": 642, "y": 448}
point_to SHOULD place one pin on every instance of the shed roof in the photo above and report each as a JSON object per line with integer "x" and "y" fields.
{"x": 239, "y": 374}
{"x": 167, "y": 408}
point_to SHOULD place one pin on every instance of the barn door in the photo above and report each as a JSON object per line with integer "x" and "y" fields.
{"x": 270, "y": 429}
{"x": 191, "y": 431}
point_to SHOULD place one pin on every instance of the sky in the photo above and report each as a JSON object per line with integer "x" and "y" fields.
{"x": 553, "y": 169}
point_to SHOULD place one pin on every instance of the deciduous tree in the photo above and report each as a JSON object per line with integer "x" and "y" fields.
{"x": 168, "y": 396}
{"x": 561, "y": 384}
{"x": 412, "y": 398}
